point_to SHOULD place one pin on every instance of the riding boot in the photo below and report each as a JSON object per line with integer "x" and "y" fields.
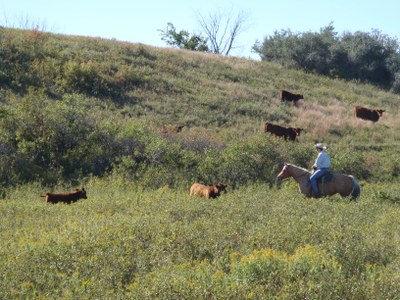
{"x": 316, "y": 195}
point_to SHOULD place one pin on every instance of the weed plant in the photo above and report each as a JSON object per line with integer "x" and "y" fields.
{"x": 254, "y": 242}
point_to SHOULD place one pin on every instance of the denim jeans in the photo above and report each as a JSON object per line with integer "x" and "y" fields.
{"x": 313, "y": 178}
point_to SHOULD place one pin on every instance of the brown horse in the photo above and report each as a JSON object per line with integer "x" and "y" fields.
{"x": 343, "y": 184}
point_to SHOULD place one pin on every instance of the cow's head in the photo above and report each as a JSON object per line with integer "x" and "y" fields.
{"x": 221, "y": 187}
{"x": 380, "y": 112}
{"x": 82, "y": 193}
{"x": 298, "y": 130}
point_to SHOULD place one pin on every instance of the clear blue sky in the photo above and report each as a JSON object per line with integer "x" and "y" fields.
{"x": 139, "y": 21}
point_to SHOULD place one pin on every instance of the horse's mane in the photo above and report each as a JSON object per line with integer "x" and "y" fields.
{"x": 297, "y": 167}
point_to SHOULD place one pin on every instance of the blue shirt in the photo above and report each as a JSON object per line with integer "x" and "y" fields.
{"x": 323, "y": 160}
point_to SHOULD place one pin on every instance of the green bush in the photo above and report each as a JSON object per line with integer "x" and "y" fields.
{"x": 348, "y": 160}
{"x": 252, "y": 160}
{"x": 371, "y": 57}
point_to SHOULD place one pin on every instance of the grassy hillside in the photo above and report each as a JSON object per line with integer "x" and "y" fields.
{"x": 75, "y": 106}
{"x": 85, "y": 111}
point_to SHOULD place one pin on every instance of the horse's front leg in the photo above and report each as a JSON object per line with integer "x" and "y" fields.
{"x": 305, "y": 188}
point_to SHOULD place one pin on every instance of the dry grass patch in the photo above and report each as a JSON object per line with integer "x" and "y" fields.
{"x": 319, "y": 120}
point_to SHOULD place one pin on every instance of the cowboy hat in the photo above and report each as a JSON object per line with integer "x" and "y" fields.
{"x": 319, "y": 146}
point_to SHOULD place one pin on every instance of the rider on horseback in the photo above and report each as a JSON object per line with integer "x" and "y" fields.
{"x": 321, "y": 167}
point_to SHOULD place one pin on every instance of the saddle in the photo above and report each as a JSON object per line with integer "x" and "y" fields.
{"x": 324, "y": 179}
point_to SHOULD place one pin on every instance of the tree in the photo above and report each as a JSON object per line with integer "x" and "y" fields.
{"x": 369, "y": 57}
{"x": 309, "y": 51}
{"x": 222, "y": 30}
{"x": 183, "y": 39}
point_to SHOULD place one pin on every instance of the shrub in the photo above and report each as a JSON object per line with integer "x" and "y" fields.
{"x": 305, "y": 274}
{"x": 348, "y": 160}
{"x": 309, "y": 273}
{"x": 372, "y": 57}
{"x": 255, "y": 159}
{"x": 396, "y": 84}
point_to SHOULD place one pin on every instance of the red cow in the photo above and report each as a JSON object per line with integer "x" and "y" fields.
{"x": 67, "y": 198}
{"x": 287, "y": 96}
{"x": 368, "y": 114}
{"x": 287, "y": 132}
{"x": 296, "y": 132}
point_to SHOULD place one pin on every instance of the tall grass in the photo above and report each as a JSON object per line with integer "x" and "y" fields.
{"x": 126, "y": 242}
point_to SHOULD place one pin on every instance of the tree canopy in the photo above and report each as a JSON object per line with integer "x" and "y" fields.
{"x": 369, "y": 57}
{"x": 221, "y": 30}
{"x": 183, "y": 39}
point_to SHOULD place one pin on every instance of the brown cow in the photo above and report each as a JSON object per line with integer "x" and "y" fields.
{"x": 212, "y": 191}
{"x": 288, "y": 96}
{"x": 292, "y": 133}
{"x": 287, "y": 132}
{"x": 368, "y": 114}
{"x": 67, "y": 198}
{"x": 172, "y": 128}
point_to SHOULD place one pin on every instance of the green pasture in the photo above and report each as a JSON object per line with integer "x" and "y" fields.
{"x": 126, "y": 242}
{"x": 78, "y": 111}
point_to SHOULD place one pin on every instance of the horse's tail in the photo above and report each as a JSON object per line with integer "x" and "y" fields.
{"x": 356, "y": 189}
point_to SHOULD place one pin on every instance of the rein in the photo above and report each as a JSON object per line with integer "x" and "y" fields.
{"x": 300, "y": 175}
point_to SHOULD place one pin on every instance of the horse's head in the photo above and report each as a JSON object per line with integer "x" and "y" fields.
{"x": 284, "y": 173}
{"x": 289, "y": 170}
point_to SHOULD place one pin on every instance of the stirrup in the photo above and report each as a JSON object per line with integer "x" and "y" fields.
{"x": 316, "y": 195}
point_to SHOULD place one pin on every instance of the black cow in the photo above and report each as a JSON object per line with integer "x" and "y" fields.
{"x": 67, "y": 198}
{"x": 287, "y": 132}
{"x": 287, "y": 96}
